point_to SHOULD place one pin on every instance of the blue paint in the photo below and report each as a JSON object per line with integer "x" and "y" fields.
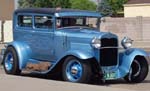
{"x": 88, "y": 14}
{"x": 24, "y": 52}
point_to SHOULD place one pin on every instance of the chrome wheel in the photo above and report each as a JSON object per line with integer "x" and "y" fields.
{"x": 11, "y": 62}
{"x": 74, "y": 70}
{"x": 8, "y": 62}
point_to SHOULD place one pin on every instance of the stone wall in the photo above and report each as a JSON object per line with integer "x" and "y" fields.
{"x": 137, "y": 28}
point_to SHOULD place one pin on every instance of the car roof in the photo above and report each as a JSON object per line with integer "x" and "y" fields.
{"x": 51, "y": 11}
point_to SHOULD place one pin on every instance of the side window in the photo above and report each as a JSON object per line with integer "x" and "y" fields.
{"x": 44, "y": 22}
{"x": 25, "y": 21}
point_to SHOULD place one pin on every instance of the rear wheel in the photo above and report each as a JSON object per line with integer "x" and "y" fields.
{"x": 10, "y": 62}
{"x": 138, "y": 71}
{"x": 75, "y": 70}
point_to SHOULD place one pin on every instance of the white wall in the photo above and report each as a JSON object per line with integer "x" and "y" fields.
{"x": 8, "y": 33}
{"x": 133, "y": 10}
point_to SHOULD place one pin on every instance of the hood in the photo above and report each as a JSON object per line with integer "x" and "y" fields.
{"x": 87, "y": 33}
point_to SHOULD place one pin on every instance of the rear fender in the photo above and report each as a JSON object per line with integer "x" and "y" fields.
{"x": 23, "y": 52}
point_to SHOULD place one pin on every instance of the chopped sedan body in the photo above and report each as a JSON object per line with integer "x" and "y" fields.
{"x": 65, "y": 41}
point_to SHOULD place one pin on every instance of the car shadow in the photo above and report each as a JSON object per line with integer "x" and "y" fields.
{"x": 94, "y": 81}
{"x": 40, "y": 76}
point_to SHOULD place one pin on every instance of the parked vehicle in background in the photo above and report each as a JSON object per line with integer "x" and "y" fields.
{"x": 69, "y": 42}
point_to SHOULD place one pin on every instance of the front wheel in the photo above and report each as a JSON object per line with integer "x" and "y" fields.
{"x": 11, "y": 62}
{"x": 75, "y": 70}
{"x": 138, "y": 71}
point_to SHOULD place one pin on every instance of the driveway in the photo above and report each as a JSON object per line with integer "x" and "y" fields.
{"x": 28, "y": 83}
{"x": 34, "y": 82}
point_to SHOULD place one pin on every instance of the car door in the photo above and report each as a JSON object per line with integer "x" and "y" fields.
{"x": 42, "y": 38}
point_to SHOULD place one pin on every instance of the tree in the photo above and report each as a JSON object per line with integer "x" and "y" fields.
{"x": 61, "y": 3}
{"x": 44, "y": 3}
{"x": 74, "y": 4}
{"x": 26, "y": 3}
{"x": 105, "y": 8}
{"x": 83, "y": 4}
{"x": 115, "y": 6}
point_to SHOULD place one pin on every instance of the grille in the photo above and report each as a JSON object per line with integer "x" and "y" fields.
{"x": 109, "y": 55}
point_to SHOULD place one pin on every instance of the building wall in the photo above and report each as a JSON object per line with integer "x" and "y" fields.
{"x": 137, "y": 28}
{"x": 133, "y": 10}
{"x": 8, "y": 33}
{"x": 6, "y": 9}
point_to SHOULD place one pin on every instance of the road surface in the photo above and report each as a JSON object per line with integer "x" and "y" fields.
{"x": 34, "y": 82}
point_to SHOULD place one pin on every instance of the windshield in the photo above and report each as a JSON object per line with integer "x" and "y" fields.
{"x": 87, "y": 22}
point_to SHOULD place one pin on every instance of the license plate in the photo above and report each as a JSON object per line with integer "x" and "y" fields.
{"x": 110, "y": 75}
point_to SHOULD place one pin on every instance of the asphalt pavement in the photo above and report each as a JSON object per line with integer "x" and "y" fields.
{"x": 27, "y": 83}
{"x": 35, "y": 82}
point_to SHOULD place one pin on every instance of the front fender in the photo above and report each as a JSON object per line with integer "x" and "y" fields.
{"x": 80, "y": 54}
{"x": 23, "y": 52}
{"x": 126, "y": 58}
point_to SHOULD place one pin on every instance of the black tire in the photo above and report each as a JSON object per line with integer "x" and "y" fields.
{"x": 137, "y": 74}
{"x": 85, "y": 73}
{"x": 14, "y": 69}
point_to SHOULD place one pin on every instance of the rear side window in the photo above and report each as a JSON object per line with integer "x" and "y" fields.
{"x": 44, "y": 22}
{"x": 25, "y": 21}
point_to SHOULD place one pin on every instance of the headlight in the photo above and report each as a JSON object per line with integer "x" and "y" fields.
{"x": 96, "y": 43}
{"x": 126, "y": 42}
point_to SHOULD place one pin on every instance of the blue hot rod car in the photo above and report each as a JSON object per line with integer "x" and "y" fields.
{"x": 69, "y": 41}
